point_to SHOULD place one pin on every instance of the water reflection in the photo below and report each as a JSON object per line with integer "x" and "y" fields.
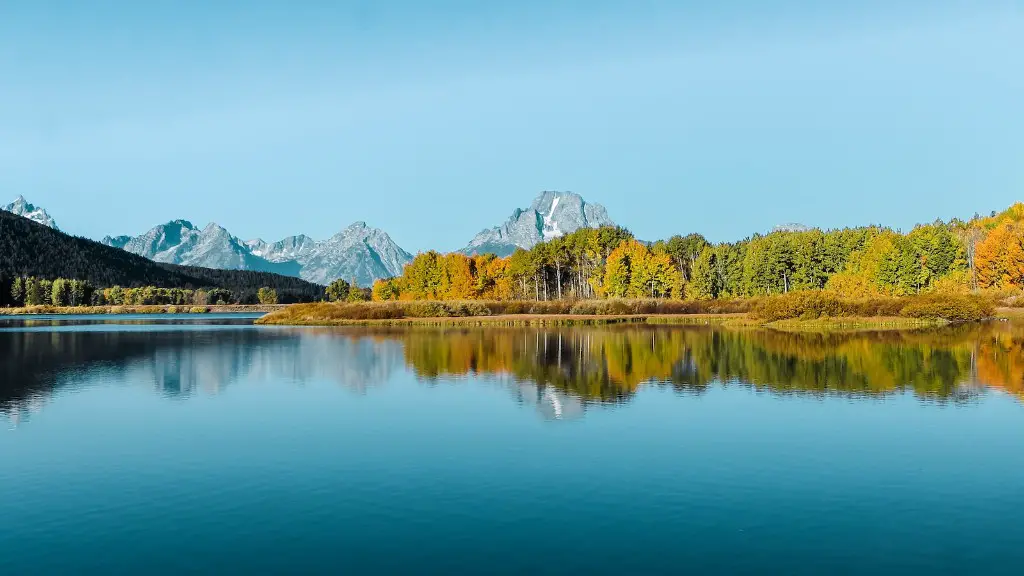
{"x": 610, "y": 364}
{"x": 559, "y": 372}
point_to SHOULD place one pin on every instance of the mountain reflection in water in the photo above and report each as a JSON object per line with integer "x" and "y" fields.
{"x": 560, "y": 371}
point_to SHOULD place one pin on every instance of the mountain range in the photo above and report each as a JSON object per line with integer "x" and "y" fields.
{"x": 358, "y": 252}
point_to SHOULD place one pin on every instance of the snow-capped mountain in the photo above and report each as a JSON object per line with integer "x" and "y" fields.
{"x": 116, "y": 241}
{"x": 358, "y": 252}
{"x": 291, "y": 248}
{"x": 179, "y": 242}
{"x": 21, "y": 207}
{"x": 551, "y": 215}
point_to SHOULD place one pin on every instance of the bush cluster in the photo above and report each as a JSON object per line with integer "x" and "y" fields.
{"x": 810, "y": 305}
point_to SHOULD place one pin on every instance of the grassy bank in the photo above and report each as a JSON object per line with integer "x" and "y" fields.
{"x": 479, "y": 312}
{"x": 93, "y": 310}
{"x": 811, "y": 309}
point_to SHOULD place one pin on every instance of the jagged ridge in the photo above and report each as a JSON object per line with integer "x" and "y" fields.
{"x": 551, "y": 215}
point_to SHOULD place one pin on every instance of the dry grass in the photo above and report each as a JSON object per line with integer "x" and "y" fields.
{"x": 811, "y": 308}
{"x": 116, "y": 310}
{"x": 491, "y": 312}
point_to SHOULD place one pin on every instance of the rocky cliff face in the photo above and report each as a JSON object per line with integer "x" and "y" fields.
{"x": 179, "y": 242}
{"x": 23, "y": 208}
{"x": 551, "y": 215}
{"x": 358, "y": 252}
{"x": 291, "y": 248}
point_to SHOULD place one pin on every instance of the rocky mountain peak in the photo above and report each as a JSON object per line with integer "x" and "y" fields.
{"x": 24, "y": 208}
{"x": 551, "y": 215}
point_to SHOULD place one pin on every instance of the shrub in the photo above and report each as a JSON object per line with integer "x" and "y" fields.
{"x": 805, "y": 305}
{"x": 584, "y": 308}
{"x": 426, "y": 309}
{"x": 477, "y": 309}
{"x": 951, "y": 307}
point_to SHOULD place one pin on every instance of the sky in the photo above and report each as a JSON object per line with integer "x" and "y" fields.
{"x": 435, "y": 119}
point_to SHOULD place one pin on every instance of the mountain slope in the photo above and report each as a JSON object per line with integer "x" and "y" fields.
{"x": 22, "y": 208}
{"x": 551, "y": 215}
{"x": 31, "y": 249}
{"x": 290, "y": 248}
{"x": 358, "y": 252}
{"x": 179, "y": 242}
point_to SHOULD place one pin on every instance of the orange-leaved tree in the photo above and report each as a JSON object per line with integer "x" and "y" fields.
{"x": 999, "y": 258}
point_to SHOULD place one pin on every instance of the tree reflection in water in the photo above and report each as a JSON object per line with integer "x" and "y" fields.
{"x": 558, "y": 370}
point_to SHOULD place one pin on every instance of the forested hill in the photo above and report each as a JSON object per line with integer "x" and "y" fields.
{"x": 31, "y": 249}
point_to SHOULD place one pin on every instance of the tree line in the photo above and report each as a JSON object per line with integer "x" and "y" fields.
{"x": 869, "y": 261}
{"x": 32, "y": 291}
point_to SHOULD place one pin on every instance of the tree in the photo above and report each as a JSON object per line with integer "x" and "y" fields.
{"x": 338, "y": 290}
{"x": 60, "y": 292}
{"x": 357, "y": 294}
{"x": 423, "y": 277}
{"x": 457, "y": 277}
{"x": 267, "y": 296}
{"x": 18, "y": 291}
{"x": 684, "y": 251}
{"x": 654, "y": 275}
{"x": 704, "y": 280}
{"x": 617, "y": 272}
{"x": 115, "y": 295}
{"x": 386, "y": 289}
{"x": 999, "y": 258}
{"x": 79, "y": 292}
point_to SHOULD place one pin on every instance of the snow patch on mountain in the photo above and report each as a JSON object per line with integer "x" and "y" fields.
{"x": 358, "y": 252}
{"x": 551, "y": 215}
{"x": 23, "y": 208}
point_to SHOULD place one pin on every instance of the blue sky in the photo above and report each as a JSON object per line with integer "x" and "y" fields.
{"x": 433, "y": 119}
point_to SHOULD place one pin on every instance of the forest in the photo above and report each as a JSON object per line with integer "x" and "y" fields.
{"x": 983, "y": 254}
{"x": 31, "y": 254}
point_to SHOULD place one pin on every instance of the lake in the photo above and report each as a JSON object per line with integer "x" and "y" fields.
{"x": 211, "y": 446}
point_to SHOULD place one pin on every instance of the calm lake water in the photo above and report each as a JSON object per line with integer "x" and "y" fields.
{"x": 212, "y": 446}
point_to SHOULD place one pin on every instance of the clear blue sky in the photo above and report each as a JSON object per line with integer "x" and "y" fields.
{"x": 433, "y": 119}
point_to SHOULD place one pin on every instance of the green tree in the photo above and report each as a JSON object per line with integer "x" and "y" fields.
{"x": 18, "y": 291}
{"x": 338, "y": 290}
{"x": 684, "y": 251}
{"x": 60, "y": 292}
{"x": 705, "y": 280}
{"x": 79, "y": 291}
{"x": 267, "y": 296}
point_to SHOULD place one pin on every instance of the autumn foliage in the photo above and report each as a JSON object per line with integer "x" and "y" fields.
{"x": 871, "y": 262}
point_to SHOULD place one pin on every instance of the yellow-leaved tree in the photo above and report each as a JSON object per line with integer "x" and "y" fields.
{"x": 999, "y": 258}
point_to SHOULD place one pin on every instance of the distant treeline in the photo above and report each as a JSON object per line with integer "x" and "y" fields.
{"x": 67, "y": 292}
{"x": 948, "y": 257}
{"x": 30, "y": 250}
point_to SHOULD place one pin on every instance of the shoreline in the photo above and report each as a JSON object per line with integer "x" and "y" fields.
{"x": 568, "y": 320}
{"x": 124, "y": 310}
